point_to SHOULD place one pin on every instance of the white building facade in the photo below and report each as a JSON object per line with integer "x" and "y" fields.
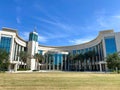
{"x": 58, "y": 58}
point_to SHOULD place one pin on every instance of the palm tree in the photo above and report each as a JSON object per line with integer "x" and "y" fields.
{"x": 76, "y": 59}
{"x": 70, "y": 58}
{"x": 23, "y": 55}
{"x": 91, "y": 55}
{"x": 39, "y": 59}
{"x": 81, "y": 59}
{"x": 86, "y": 56}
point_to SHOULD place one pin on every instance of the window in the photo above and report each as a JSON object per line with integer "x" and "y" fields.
{"x": 33, "y": 37}
{"x": 5, "y": 43}
{"x": 40, "y": 52}
{"x": 56, "y": 58}
{"x": 74, "y": 52}
{"x": 110, "y": 45}
{"x": 78, "y": 51}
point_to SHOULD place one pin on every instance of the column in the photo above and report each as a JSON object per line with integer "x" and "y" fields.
{"x": 106, "y": 68}
{"x": 57, "y": 61}
{"x": 100, "y": 67}
{"x": 61, "y": 62}
{"x": 50, "y": 63}
{"x": 53, "y": 62}
{"x": 15, "y": 67}
{"x": 65, "y": 62}
{"x": 46, "y": 62}
{"x": 39, "y": 66}
{"x": 68, "y": 65}
{"x": 9, "y": 67}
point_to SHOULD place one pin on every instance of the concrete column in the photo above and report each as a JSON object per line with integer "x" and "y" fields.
{"x": 57, "y": 63}
{"x": 61, "y": 63}
{"x": 50, "y": 63}
{"x": 65, "y": 62}
{"x": 106, "y": 68}
{"x": 47, "y": 62}
{"x": 33, "y": 64}
{"x": 39, "y": 67}
{"x": 9, "y": 68}
{"x": 68, "y": 65}
{"x": 36, "y": 65}
{"x": 53, "y": 62}
{"x": 15, "y": 67}
{"x": 12, "y": 49}
{"x": 100, "y": 67}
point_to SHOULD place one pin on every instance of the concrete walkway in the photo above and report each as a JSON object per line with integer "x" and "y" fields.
{"x": 29, "y": 71}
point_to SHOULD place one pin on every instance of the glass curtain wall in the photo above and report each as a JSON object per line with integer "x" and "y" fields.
{"x": 5, "y": 43}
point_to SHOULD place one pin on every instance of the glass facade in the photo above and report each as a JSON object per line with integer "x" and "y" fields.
{"x": 33, "y": 37}
{"x": 58, "y": 59}
{"x": 5, "y": 43}
{"x": 74, "y": 52}
{"x": 40, "y": 52}
{"x": 54, "y": 61}
{"x": 110, "y": 45}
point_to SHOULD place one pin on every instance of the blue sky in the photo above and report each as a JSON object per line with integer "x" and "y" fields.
{"x": 60, "y": 22}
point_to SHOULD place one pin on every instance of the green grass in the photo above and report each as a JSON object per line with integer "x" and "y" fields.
{"x": 59, "y": 81}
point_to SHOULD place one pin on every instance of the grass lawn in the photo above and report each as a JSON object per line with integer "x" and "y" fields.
{"x": 59, "y": 81}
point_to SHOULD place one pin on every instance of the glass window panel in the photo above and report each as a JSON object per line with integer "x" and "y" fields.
{"x": 110, "y": 45}
{"x": 5, "y": 43}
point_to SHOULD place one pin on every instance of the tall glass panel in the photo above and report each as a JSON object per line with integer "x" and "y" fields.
{"x": 5, "y": 43}
{"x": 33, "y": 37}
{"x": 78, "y": 51}
{"x": 74, "y": 52}
{"x": 110, "y": 45}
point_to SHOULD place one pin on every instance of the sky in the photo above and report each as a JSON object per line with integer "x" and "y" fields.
{"x": 60, "y": 22}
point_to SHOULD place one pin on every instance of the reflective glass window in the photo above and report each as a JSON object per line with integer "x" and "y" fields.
{"x": 110, "y": 45}
{"x": 5, "y": 43}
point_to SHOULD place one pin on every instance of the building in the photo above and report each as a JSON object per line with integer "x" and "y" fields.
{"x": 58, "y": 58}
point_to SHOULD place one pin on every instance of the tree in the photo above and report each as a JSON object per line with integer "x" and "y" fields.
{"x": 91, "y": 55}
{"x": 76, "y": 60}
{"x": 113, "y": 61}
{"x": 86, "y": 56}
{"x": 81, "y": 58}
{"x": 4, "y": 60}
{"x": 70, "y": 58}
{"x": 39, "y": 59}
{"x": 23, "y": 55}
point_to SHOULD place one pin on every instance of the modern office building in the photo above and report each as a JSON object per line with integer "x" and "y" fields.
{"x": 59, "y": 58}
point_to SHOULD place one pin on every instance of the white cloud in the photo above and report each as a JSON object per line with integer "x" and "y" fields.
{"x": 80, "y": 41}
{"x": 111, "y": 22}
{"x": 101, "y": 21}
{"x": 42, "y": 38}
{"x": 116, "y": 16}
{"x": 56, "y": 23}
